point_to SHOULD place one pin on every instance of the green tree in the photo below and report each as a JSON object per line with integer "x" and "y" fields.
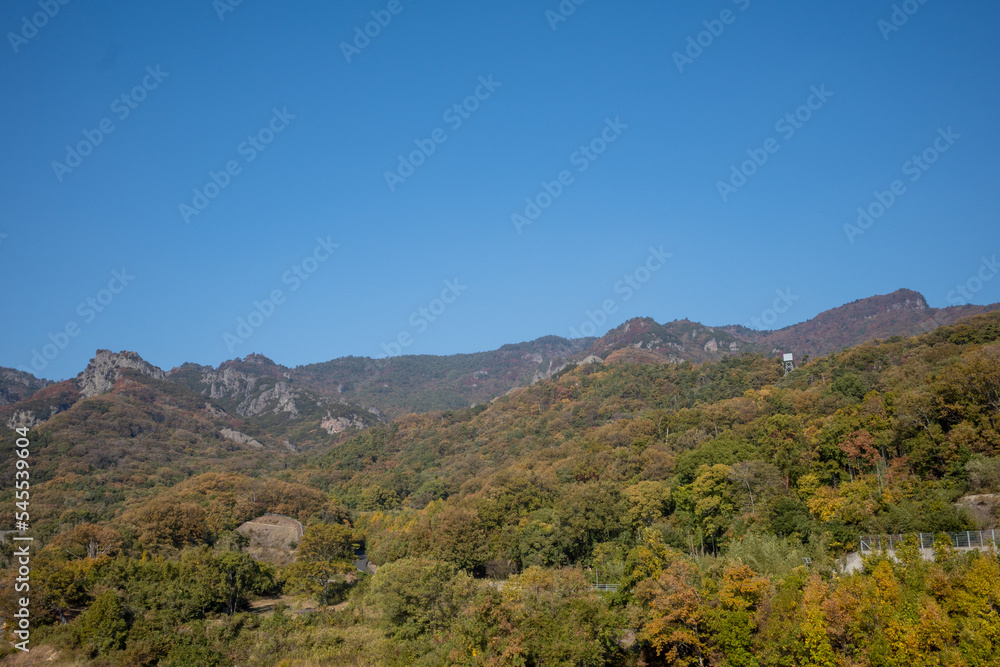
{"x": 241, "y": 576}
{"x": 102, "y": 628}
{"x": 58, "y": 585}
{"x": 378, "y": 498}
{"x": 647, "y": 503}
{"x": 710, "y": 500}
{"x": 325, "y": 552}
{"x": 418, "y": 596}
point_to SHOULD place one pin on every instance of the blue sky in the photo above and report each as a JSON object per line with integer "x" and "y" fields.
{"x": 203, "y": 84}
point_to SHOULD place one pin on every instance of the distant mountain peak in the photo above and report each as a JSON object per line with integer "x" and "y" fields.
{"x": 259, "y": 359}
{"x": 17, "y": 385}
{"x": 256, "y": 364}
{"x": 901, "y": 299}
{"x": 105, "y": 368}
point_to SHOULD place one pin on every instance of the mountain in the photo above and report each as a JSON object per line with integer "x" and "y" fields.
{"x": 17, "y": 385}
{"x": 356, "y": 392}
{"x": 265, "y": 393}
{"x": 419, "y": 383}
{"x": 673, "y": 342}
{"x": 726, "y": 481}
{"x": 901, "y": 313}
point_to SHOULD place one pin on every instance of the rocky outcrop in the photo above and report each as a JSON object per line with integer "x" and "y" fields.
{"x": 240, "y": 438}
{"x": 546, "y": 374}
{"x": 228, "y": 382}
{"x": 106, "y": 367}
{"x": 554, "y": 368}
{"x": 335, "y": 425}
{"x": 281, "y": 395}
{"x": 22, "y": 419}
{"x": 16, "y": 385}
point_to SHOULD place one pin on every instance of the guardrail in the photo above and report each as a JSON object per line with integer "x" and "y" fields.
{"x": 604, "y": 587}
{"x": 970, "y": 539}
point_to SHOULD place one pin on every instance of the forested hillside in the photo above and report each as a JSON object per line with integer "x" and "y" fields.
{"x": 717, "y": 497}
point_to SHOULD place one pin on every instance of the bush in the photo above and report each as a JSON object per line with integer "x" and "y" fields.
{"x": 984, "y": 474}
{"x": 418, "y": 596}
{"x": 768, "y": 554}
{"x": 103, "y": 627}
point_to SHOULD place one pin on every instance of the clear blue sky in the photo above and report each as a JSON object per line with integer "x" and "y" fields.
{"x": 324, "y": 173}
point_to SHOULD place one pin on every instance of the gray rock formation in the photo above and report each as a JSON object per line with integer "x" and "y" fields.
{"x": 240, "y": 438}
{"x": 22, "y": 419}
{"x": 281, "y": 393}
{"x": 105, "y": 368}
{"x": 16, "y": 385}
{"x": 334, "y": 425}
{"x": 231, "y": 383}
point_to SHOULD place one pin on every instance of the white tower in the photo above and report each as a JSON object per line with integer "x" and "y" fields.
{"x": 789, "y": 364}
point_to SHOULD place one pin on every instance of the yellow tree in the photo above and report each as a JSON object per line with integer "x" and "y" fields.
{"x": 816, "y": 649}
{"x": 675, "y": 626}
{"x": 733, "y": 622}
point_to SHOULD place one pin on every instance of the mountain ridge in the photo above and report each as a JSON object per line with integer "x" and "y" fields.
{"x": 359, "y": 391}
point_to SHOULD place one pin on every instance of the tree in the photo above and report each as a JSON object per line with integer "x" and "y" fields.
{"x": 241, "y": 576}
{"x": 540, "y": 617}
{"x": 860, "y": 449}
{"x": 58, "y": 585}
{"x": 780, "y": 439}
{"x": 648, "y": 502}
{"x": 90, "y": 540}
{"x": 675, "y": 626}
{"x": 418, "y": 596}
{"x": 733, "y": 622}
{"x": 166, "y": 523}
{"x": 588, "y": 514}
{"x": 378, "y": 498}
{"x": 815, "y": 649}
{"x": 458, "y": 537}
{"x": 754, "y": 478}
{"x": 324, "y": 553}
{"x": 709, "y": 498}
{"x": 102, "y": 628}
